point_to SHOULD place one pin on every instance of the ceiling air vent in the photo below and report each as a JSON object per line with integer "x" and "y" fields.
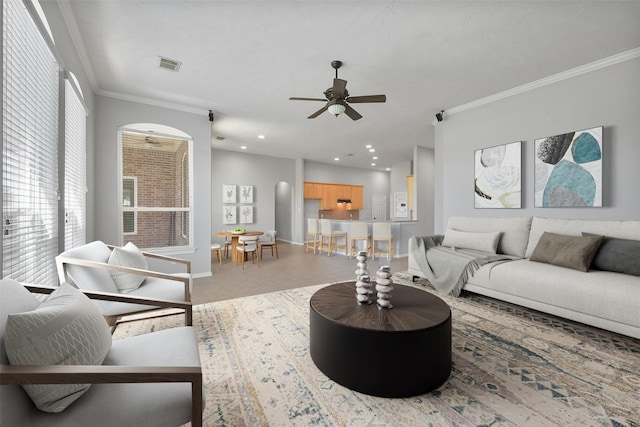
{"x": 169, "y": 64}
{"x": 219, "y": 138}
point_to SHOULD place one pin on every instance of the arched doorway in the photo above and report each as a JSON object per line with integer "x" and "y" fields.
{"x": 284, "y": 210}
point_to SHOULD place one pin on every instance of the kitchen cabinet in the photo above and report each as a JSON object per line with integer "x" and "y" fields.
{"x": 328, "y": 194}
{"x": 357, "y": 200}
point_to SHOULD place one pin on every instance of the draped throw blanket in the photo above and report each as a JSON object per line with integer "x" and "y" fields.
{"x": 448, "y": 269}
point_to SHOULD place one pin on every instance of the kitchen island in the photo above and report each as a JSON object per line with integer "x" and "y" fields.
{"x": 401, "y": 231}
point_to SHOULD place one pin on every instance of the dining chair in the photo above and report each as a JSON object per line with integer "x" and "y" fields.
{"x": 246, "y": 245}
{"x": 217, "y": 248}
{"x": 359, "y": 231}
{"x": 228, "y": 244}
{"x": 313, "y": 234}
{"x": 382, "y": 233}
{"x": 326, "y": 232}
{"x": 269, "y": 241}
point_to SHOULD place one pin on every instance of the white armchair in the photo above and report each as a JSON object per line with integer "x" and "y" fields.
{"x": 150, "y": 379}
{"x": 88, "y": 267}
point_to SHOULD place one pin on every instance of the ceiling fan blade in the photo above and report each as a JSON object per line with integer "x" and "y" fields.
{"x": 352, "y": 113}
{"x": 307, "y": 99}
{"x": 317, "y": 113}
{"x": 366, "y": 98}
{"x": 339, "y": 88}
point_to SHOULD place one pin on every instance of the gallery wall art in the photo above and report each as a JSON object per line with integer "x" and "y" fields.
{"x": 568, "y": 169}
{"x": 246, "y": 194}
{"x": 497, "y": 179}
{"x": 246, "y": 214}
{"x": 229, "y": 215}
{"x": 228, "y": 193}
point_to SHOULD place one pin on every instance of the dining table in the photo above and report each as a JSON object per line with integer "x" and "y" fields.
{"x": 234, "y": 240}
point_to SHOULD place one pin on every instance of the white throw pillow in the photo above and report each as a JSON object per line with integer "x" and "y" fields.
{"x": 66, "y": 329}
{"x": 485, "y": 242}
{"x": 127, "y": 256}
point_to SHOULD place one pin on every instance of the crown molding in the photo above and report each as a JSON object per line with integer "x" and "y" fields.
{"x": 74, "y": 32}
{"x": 574, "y": 72}
{"x": 155, "y": 103}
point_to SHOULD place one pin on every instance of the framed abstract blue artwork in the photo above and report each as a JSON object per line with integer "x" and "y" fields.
{"x": 568, "y": 169}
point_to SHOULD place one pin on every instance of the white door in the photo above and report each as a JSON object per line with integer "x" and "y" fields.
{"x": 379, "y": 207}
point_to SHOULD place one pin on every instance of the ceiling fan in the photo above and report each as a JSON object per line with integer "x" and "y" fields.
{"x": 337, "y": 98}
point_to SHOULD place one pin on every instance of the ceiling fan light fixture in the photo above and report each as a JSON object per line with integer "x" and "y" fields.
{"x": 336, "y": 109}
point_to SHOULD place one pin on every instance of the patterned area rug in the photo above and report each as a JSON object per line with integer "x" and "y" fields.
{"x": 511, "y": 367}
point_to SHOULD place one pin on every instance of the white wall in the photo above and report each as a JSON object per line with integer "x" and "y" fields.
{"x": 112, "y": 113}
{"x": 608, "y": 97}
{"x": 264, "y": 173}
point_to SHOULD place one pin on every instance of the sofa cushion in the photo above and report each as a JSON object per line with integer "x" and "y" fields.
{"x": 562, "y": 291}
{"x": 617, "y": 255}
{"x": 575, "y": 227}
{"x": 574, "y": 252}
{"x": 485, "y": 242}
{"x": 515, "y": 231}
{"x": 127, "y": 256}
{"x": 66, "y": 329}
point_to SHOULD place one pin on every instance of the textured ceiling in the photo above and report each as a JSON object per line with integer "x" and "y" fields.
{"x": 244, "y": 59}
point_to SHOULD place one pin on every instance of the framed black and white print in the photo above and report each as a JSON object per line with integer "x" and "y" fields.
{"x": 497, "y": 181}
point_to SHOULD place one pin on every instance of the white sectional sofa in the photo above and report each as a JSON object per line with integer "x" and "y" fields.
{"x": 604, "y": 299}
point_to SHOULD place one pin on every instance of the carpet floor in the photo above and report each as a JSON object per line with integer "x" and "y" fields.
{"x": 511, "y": 367}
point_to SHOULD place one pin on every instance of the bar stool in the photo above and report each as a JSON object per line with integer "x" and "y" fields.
{"x": 313, "y": 234}
{"x": 326, "y": 232}
{"x": 359, "y": 231}
{"x": 215, "y": 247}
{"x": 382, "y": 233}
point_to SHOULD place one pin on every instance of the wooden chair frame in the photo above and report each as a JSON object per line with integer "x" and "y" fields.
{"x": 98, "y": 374}
{"x": 63, "y": 261}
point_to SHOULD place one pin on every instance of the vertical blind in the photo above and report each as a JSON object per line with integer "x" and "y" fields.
{"x": 30, "y": 154}
{"x": 75, "y": 134}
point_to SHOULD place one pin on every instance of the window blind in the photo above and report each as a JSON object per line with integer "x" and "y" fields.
{"x": 75, "y": 131}
{"x": 30, "y": 154}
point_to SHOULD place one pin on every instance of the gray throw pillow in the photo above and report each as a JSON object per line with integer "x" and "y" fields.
{"x": 66, "y": 329}
{"x": 617, "y": 255}
{"x": 574, "y": 252}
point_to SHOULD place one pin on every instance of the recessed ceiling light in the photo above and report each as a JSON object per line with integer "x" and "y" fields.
{"x": 368, "y": 146}
{"x": 375, "y": 157}
{"x": 388, "y": 169}
{"x": 261, "y": 136}
{"x": 373, "y": 164}
{"x": 243, "y": 147}
{"x": 372, "y": 150}
{"x": 336, "y": 158}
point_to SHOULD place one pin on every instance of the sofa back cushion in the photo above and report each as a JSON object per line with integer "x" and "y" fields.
{"x": 91, "y": 279}
{"x": 575, "y": 227}
{"x": 515, "y": 231}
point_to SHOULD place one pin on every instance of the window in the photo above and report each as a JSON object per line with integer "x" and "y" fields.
{"x": 156, "y": 191}
{"x": 129, "y": 200}
{"x": 34, "y": 107}
{"x": 30, "y": 150}
{"x": 75, "y": 160}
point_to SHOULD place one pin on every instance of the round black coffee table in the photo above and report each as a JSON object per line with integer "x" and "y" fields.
{"x": 398, "y": 352}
